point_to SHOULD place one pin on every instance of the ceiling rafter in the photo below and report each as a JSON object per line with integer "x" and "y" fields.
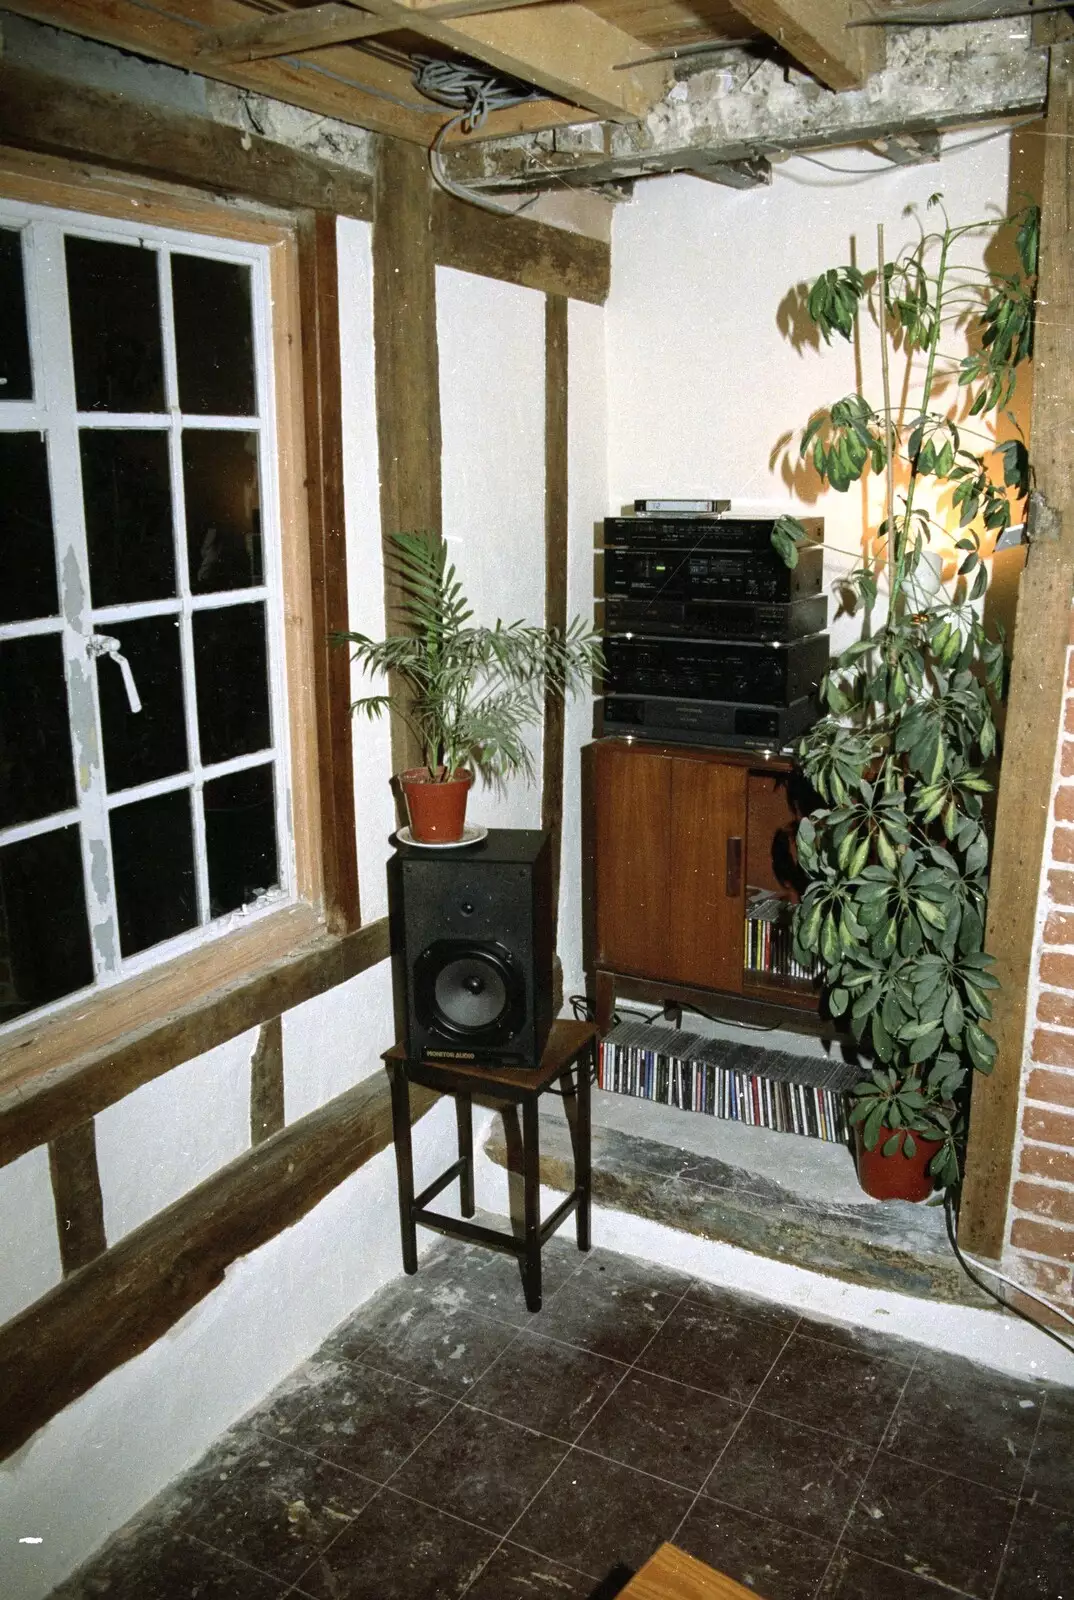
{"x": 819, "y": 35}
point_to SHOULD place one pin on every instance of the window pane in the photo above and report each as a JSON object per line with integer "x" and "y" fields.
{"x": 153, "y": 865}
{"x": 231, "y": 673}
{"x": 16, "y": 382}
{"x": 114, "y": 298}
{"x": 44, "y": 931}
{"x": 126, "y": 487}
{"x": 223, "y": 510}
{"x": 27, "y": 554}
{"x": 36, "y": 769}
{"x": 240, "y": 838}
{"x": 214, "y": 337}
{"x": 142, "y": 745}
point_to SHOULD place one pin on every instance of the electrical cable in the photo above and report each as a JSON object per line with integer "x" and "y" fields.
{"x": 857, "y": 175}
{"x": 473, "y": 91}
{"x": 1017, "y": 1311}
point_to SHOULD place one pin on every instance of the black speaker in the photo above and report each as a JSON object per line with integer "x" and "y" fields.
{"x": 472, "y": 948}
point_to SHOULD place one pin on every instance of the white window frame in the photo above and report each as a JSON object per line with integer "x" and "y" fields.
{"x": 53, "y": 409}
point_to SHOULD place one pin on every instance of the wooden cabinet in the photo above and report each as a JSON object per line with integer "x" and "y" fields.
{"x": 678, "y": 841}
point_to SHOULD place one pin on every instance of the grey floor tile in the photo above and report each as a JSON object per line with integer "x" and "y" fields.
{"x": 424, "y": 1335}
{"x": 780, "y": 1563}
{"x": 856, "y": 1577}
{"x": 399, "y": 1549}
{"x": 829, "y": 1387}
{"x": 798, "y": 1476}
{"x": 1050, "y": 1476}
{"x": 716, "y": 1297}
{"x": 713, "y": 1350}
{"x": 932, "y": 1524}
{"x": 663, "y": 1428}
{"x": 480, "y": 1467}
{"x": 176, "y": 1569}
{"x": 608, "y": 1316}
{"x": 550, "y": 1386}
{"x": 595, "y": 1514}
{"x": 968, "y": 1420}
{"x": 359, "y": 1418}
{"x": 487, "y": 1282}
{"x": 517, "y": 1574}
{"x": 1039, "y": 1564}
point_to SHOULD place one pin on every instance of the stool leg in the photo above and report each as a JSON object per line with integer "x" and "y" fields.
{"x": 582, "y": 1157}
{"x": 531, "y": 1165}
{"x": 464, "y": 1121}
{"x": 404, "y": 1165}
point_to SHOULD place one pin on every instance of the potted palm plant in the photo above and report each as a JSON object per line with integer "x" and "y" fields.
{"x": 467, "y": 692}
{"x": 897, "y": 852}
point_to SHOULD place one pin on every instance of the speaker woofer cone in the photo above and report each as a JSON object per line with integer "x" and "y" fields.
{"x": 470, "y": 991}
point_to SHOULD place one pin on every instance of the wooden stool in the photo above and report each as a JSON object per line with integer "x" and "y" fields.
{"x": 571, "y": 1050}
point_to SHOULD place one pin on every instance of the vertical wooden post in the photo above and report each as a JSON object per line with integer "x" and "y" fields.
{"x": 407, "y": 369}
{"x": 323, "y": 397}
{"x": 76, "y": 1190}
{"x": 555, "y": 573}
{"x": 266, "y": 1082}
{"x": 1036, "y": 691}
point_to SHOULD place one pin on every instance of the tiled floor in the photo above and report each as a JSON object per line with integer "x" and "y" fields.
{"x": 444, "y": 1442}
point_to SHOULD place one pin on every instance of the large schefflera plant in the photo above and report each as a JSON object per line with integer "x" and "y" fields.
{"x": 897, "y": 853}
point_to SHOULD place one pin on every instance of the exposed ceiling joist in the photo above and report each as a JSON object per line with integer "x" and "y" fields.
{"x": 817, "y": 35}
{"x": 287, "y": 33}
{"x": 937, "y": 80}
{"x": 333, "y": 81}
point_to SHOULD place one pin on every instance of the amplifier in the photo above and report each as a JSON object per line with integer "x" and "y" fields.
{"x": 704, "y": 669}
{"x": 706, "y": 721}
{"x": 699, "y": 533}
{"x": 755, "y": 575}
{"x": 716, "y": 619}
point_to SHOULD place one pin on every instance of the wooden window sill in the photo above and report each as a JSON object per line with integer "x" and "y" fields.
{"x": 59, "y": 1070}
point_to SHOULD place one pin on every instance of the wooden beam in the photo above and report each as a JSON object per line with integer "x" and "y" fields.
{"x": 41, "y": 1107}
{"x": 76, "y": 1191}
{"x": 323, "y": 394}
{"x": 555, "y": 568}
{"x": 815, "y": 33}
{"x": 407, "y": 373}
{"x": 58, "y": 117}
{"x": 120, "y": 1303}
{"x": 267, "y": 1083}
{"x": 1034, "y": 705}
{"x": 517, "y": 251}
{"x": 287, "y": 33}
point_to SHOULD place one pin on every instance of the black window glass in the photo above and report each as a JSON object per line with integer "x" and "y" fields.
{"x": 114, "y": 299}
{"x": 44, "y": 930}
{"x": 231, "y": 674}
{"x": 36, "y": 770}
{"x": 126, "y": 489}
{"x": 153, "y": 867}
{"x": 27, "y": 552}
{"x": 223, "y": 510}
{"x": 16, "y": 380}
{"x": 214, "y": 337}
{"x": 140, "y": 746}
{"x": 240, "y": 838}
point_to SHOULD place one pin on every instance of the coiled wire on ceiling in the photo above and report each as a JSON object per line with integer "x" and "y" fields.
{"x": 473, "y": 92}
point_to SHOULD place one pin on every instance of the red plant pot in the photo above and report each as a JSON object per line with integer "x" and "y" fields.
{"x": 895, "y": 1177}
{"x": 436, "y": 806}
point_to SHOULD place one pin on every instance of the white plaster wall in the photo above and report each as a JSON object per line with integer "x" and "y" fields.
{"x": 587, "y": 479}
{"x": 30, "y": 1258}
{"x": 335, "y": 1040}
{"x": 702, "y": 383}
{"x": 492, "y": 364}
{"x": 164, "y": 1138}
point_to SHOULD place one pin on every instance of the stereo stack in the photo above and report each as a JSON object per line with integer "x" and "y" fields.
{"x": 709, "y": 637}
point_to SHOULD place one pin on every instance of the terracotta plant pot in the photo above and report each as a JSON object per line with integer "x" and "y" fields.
{"x": 895, "y": 1177}
{"x": 437, "y": 808}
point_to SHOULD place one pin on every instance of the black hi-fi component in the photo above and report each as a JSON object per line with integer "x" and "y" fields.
{"x": 706, "y": 721}
{"x": 754, "y": 576}
{"x": 699, "y": 533}
{"x": 472, "y": 946}
{"x": 740, "y": 670}
{"x": 716, "y": 619}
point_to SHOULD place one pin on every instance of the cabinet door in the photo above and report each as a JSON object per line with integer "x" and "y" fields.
{"x": 704, "y": 935}
{"x": 632, "y": 807}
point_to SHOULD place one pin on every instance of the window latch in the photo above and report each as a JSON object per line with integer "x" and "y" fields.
{"x": 103, "y": 644}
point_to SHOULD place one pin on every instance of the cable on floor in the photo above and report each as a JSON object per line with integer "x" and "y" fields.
{"x": 968, "y": 1263}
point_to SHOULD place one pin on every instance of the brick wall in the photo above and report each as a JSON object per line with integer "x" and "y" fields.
{"x": 1040, "y": 1228}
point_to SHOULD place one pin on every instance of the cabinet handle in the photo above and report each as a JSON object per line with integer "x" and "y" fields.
{"x": 734, "y": 868}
